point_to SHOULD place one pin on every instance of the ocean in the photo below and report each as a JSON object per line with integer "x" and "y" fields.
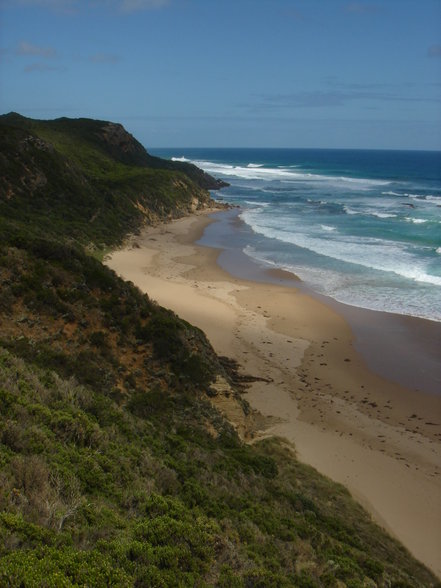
{"x": 362, "y": 227}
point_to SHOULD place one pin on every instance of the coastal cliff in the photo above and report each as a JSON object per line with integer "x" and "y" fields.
{"x": 117, "y": 468}
{"x": 91, "y": 179}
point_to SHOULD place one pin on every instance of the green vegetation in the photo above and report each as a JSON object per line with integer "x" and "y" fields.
{"x": 93, "y": 143}
{"x": 90, "y": 181}
{"x": 115, "y": 467}
{"x": 98, "y": 491}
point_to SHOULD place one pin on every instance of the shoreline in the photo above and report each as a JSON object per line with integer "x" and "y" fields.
{"x": 368, "y": 433}
{"x": 410, "y": 351}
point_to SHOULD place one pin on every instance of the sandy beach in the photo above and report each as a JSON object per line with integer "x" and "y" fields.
{"x": 378, "y": 438}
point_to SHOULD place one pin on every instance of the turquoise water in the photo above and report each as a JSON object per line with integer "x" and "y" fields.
{"x": 363, "y": 227}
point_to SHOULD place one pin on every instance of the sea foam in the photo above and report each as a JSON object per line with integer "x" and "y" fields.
{"x": 343, "y": 226}
{"x": 369, "y": 252}
{"x": 258, "y": 172}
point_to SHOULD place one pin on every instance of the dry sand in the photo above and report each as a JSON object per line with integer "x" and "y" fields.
{"x": 377, "y": 438}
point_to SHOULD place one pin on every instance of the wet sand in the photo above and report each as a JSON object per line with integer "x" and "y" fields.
{"x": 380, "y": 439}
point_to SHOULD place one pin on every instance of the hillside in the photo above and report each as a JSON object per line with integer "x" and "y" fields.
{"x": 90, "y": 180}
{"x": 116, "y": 467}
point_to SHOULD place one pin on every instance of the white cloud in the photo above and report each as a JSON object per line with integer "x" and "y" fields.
{"x": 137, "y": 5}
{"x": 75, "y": 6}
{"x": 339, "y": 94}
{"x": 42, "y": 67}
{"x": 25, "y": 48}
{"x": 360, "y": 8}
{"x": 104, "y": 58}
{"x": 66, "y": 6}
{"x": 434, "y": 51}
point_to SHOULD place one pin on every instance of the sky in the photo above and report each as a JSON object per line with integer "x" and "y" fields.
{"x": 231, "y": 73}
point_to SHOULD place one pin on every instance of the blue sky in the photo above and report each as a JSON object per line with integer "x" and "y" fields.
{"x": 251, "y": 73}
